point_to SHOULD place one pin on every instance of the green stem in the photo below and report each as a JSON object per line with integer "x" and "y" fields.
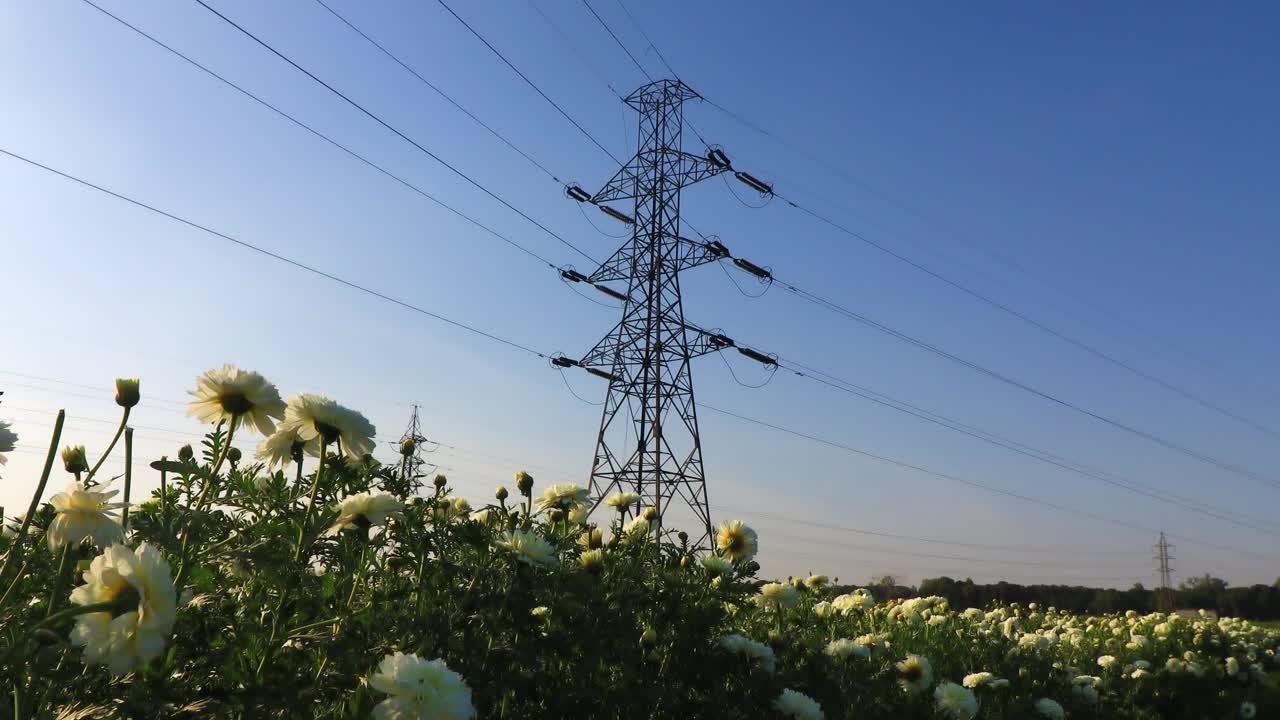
{"x": 16, "y": 548}
{"x": 56, "y": 591}
{"x": 124, "y": 418}
{"x": 311, "y": 501}
{"x": 128, "y": 477}
{"x": 185, "y": 566}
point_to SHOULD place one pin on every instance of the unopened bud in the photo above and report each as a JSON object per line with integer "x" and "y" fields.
{"x": 440, "y": 481}
{"x": 74, "y": 459}
{"x": 407, "y": 446}
{"x": 234, "y": 455}
{"x": 501, "y": 493}
{"x": 775, "y": 637}
{"x": 649, "y": 638}
{"x": 127, "y": 394}
{"x": 185, "y": 453}
{"x": 524, "y": 483}
{"x": 555, "y": 515}
{"x": 685, "y": 562}
{"x": 684, "y": 536}
{"x": 650, "y": 513}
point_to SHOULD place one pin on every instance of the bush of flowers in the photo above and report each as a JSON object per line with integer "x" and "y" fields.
{"x": 312, "y": 581}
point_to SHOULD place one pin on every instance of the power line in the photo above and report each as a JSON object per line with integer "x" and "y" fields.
{"x": 323, "y": 136}
{"x": 636, "y": 24}
{"x": 402, "y": 136}
{"x": 524, "y": 77}
{"x": 437, "y": 90}
{"x": 573, "y": 47}
{"x": 974, "y": 483}
{"x": 276, "y": 256}
{"x": 1090, "y": 349}
{"x": 609, "y": 30}
{"x": 993, "y": 439}
{"x": 852, "y": 180}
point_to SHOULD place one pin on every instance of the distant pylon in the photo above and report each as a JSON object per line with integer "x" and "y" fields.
{"x": 413, "y": 461}
{"x": 1164, "y": 595}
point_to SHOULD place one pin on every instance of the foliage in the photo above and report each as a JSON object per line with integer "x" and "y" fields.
{"x": 293, "y": 587}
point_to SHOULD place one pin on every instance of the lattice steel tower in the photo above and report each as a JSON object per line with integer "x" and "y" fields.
{"x": 1164, "y": 595}
{"x": 648, "y": 441}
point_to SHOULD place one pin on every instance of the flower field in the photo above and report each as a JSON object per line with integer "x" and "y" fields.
{"x": 312, "y": 581}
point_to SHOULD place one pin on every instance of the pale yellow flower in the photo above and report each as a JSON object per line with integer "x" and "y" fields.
{"x": 917, "y": 674}
{"x": 844, "y": 647}
{"x": 84, "y": 514}
{"x": 279, "y": 448}
{"x": 716, "y": 565}
{"x": 364, "y": 510}
{"x": 622, "y": 500}
{"x": 529, "y": 548}
{"x": 1050, "y": 709}
{"x": 418, "y": 688}
{"x": 316, "y": 416}
{"x": 777, "y": 595}
{"x": 758, "y": 651}
{"x": 229, "y": 392}
{"x": 635, "y": 530}
{"x": 564, "y": 496}
{"x": 128, "y": 638}
{"x": 737, "y": 541}
{"x": 797, "y": 705}
{"x": 955, "y": 702}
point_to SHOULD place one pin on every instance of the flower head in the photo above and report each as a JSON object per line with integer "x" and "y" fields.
{"x": 1248, "y": 710}
{"x": 797, "y": 705}
{"x": 978, "y": 679}
{"x": 364, "y": 510}
{"x": 844, "y": 647}
{"x": 737, "y": 541}
{"x": 917, "y": 674}
{"x": 127, "y": 394}
{"x": 955, "y": 701}
{"x": 622, "y": 500}
{"x": 84, "y": 514}
{"x": 285, "y": 446}
{"x": 635, "y": 530}
{"x": 563, "y": 496}
{"x": 74, "y": 459}
{"x": 529, "y": 548}
{"x": 716, "y": 565}
{"x": 592, "y": 561}
{"x": 817, "y": 582}
{"x": 1050, "y": 708}
{"x": 316, "y": 416}
{"x": 746, "y": 647}
{"x": 418, "y": 688}
{"x": 229, "y": 393}
{"x": 777, "y": 595}
{"x": 131, "y": 635}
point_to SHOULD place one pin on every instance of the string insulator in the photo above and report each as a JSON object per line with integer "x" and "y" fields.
{"x": 753, "y": 268}
{"x": 621, "y": 217}
{"x": 758, "y": 356}
{"x": 572, "y": 275}
{"x": 577, "y": 193}
{"x": 611, "y": 292}
{"x": 754, "y": 183}
{"x": 717, "y": 157}
{"x": 601, "y": 373}
{"x": 563, "y": 362}
{"x": 720, "y": 341}
{"x": 717, "y": 248}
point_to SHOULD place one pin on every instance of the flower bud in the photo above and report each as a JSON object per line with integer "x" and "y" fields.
{"x": 592, "y": 561}
{"x": 555, "y": 515}
{"x": 440, "y": 481}
{"x": 683, "y": 536}
{"x": 650, "y": 513}
{"x": 524, "y": 482}
{"x": 186, "y": 454}
{"x": 501, "y": 493}
{"x": 685, "y": 562}
{"x": 648, "y": 638}
{"x": 408, "y": 446}
{"x": 234, "y": 455}
{"x": 127, "y": 392}
{"x": 74, "y": 459}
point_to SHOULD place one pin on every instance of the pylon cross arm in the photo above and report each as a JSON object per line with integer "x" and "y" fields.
{"x": 683, "y": 169}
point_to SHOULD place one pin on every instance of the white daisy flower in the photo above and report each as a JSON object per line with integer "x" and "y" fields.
{"x": 418, "y": 688}
{"x": 135, "y": 634}
{"x": 229, "y": 393}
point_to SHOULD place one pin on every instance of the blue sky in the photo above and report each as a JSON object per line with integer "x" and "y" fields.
{"x": 1125, "y": 154}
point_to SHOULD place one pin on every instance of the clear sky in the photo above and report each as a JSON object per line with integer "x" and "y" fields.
{"x": 1126, "y": 154}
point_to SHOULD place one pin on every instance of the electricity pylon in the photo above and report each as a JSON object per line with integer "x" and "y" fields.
{"x": 1164, "y": 596}
{"x": 646, "y": 356}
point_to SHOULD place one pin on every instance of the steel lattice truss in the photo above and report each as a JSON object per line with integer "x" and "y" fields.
{"x": 649, "y": 441}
